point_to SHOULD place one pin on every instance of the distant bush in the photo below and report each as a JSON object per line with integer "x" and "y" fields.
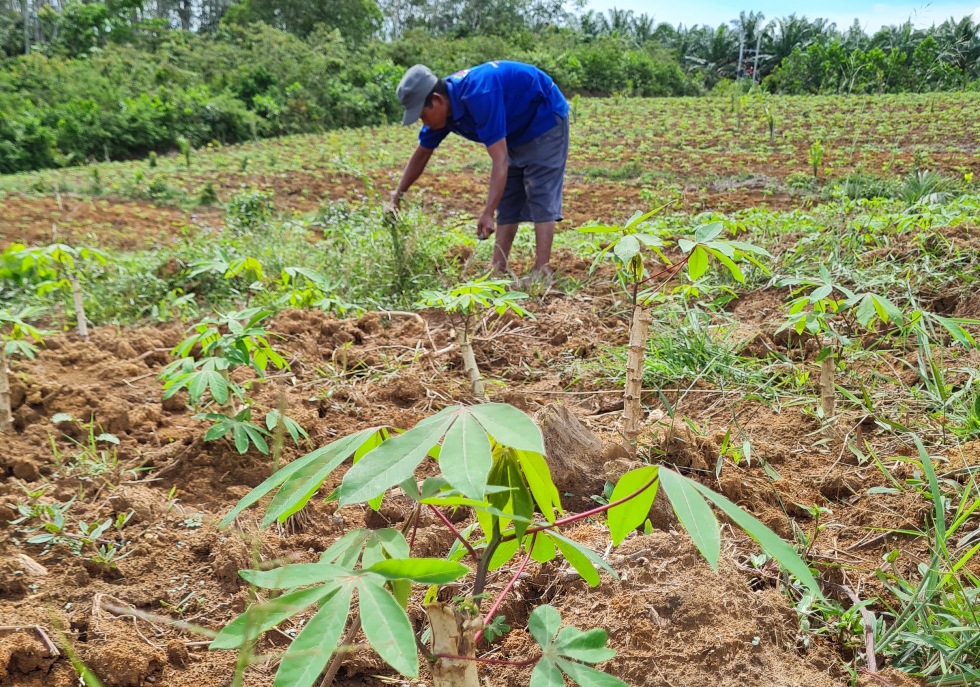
{"x": 601, "y": 66}
{"x": 120, "y": 102}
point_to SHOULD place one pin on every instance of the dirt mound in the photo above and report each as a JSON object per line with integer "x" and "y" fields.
{"x": 674, "y": 622}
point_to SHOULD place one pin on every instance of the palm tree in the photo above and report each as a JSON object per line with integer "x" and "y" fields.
{"x": 903, "y": 38}
{"x": 620, "y": 22}
{"x": 643, "y": 28}
{"x": 959, "y": 44}
{"x": 593, "y": 24}
{"x": 714, "y": 52}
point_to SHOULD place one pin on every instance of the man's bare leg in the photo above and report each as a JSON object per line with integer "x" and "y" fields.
{"x": 544, "y": 236}
{"x": 503, "y": 240}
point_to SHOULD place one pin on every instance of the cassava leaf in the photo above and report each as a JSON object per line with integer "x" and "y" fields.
{"x": 465, "y": 457}
{"x": 694, "y": 514}
{"x": 626, "y": 517}
{"x": 391, "y": 463}
{"x": 421, "y": 570}
{"x": 260, "y": 617}
{"x": 309, "y": 652}
{"x": 509, "y": 426}
{"x": 387, "y": 628}
{"x": 781, "y": 552}
{"x": 335, "y": 452}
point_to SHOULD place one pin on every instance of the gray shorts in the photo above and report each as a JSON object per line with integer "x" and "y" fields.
{"x": 535, "y": 178}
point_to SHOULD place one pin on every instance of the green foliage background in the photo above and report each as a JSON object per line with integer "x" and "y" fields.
{"x": 83, "y": 81}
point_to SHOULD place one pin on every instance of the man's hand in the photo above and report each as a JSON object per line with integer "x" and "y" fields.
{"x": 393, "y": 205}
{"x": 484, "y": 226}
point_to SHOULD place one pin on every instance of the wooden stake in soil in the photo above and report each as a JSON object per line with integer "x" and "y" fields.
{"x": 632, "y": 410}
{"x": 469, "y": 363}
{"x": 828, "y": 367}
{"x": 76, "y": 294}
{"x": 453, "y": 633}
{"x": 6, "y": 416}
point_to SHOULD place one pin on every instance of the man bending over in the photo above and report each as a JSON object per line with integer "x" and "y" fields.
{"x": 521, "y": 116}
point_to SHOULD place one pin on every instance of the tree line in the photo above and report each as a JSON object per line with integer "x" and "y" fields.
{"x": 119, "y": 78}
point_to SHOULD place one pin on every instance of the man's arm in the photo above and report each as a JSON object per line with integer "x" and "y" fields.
{"x": 498, "y": 180}
{"x": 413, "y": 170}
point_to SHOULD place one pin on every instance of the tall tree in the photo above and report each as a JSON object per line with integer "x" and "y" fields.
{"x": 357, "y": 20}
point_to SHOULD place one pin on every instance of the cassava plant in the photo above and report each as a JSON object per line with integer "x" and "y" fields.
{"x": 834, "y": 315}
{"x": 216, "y": 347}
{"x": 14, "y": 335}
{"x": 814, "y": 156}
{"x": 633, "y": 250}
{"x": 58, "y": 265}
{"x": 466, "y": 303}
{"x": 489, "y": 458}
{"x": 307, "y": 288}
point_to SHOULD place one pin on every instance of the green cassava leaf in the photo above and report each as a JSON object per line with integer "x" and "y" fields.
{"x": 294, "y": 575}
{"x": 421, "y": 570}
{"x": 626, "y": 248}
{"x": 309, "y": 652}
{"x": 333, "y": 453}
{"x": 563, "y": 649}
{"x": 387, "y": 628}
{"x": 781, "y": 552}
{"x": 260, "y": 617}
{"x": 697, "y": 264}
{"x": 694, "y": 513}
{"x": 465, "y": 456}
{"x": 538, "y": 476}
{"x": 583, "y": 559}
{"x": 509, "y": 426}
{"x": 391, "y": 463}
{"x": 626, "y": 517}
{"x": 708, "y": 232}
{"x": 546, "y": 674}
{"x": 733, "y": 269}
{"x": 587, "y": 676}
{"x": 543, "y": 549}
{"x": 504, "y": 553}
{"x": 544, "y": 623}
{"x": 588, "y": 646}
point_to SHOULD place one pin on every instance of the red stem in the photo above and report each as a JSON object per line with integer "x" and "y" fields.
{"x": 456, "y": 533}
{"x": 500, "y": 599}
{"x": 587, "y": 514}
{"x": 673, "y": 269}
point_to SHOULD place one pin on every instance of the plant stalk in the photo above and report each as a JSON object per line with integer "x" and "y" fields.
{"x": 483, "y": 567}
{"x": 76, "y": 295}
{"x": 493, "y": 609}
{"x": 6, "y": 416}
{"x": 453, "y": 632}
{"x": 828, "y": 368}
{"x": 469, "y": 362}
{"x": 338, "y": 657}
{"x": 632, "y": 409}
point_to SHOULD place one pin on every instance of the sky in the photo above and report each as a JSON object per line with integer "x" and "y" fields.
{"x": 872, "y": 15}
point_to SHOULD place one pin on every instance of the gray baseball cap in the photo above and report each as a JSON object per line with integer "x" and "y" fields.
{"x": 413, "y": 89}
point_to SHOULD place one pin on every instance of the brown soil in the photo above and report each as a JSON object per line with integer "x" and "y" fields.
{"x": 125, "y": 224}
{"x": 672, "y": 620}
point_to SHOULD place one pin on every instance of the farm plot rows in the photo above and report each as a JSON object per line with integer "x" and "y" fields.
{"x": 883, "y": 289}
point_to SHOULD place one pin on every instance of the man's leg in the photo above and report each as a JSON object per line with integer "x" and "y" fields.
{"x": 544, "y": 236}
{"x": 544, "y": 179}
{"x": 503, "y": 240}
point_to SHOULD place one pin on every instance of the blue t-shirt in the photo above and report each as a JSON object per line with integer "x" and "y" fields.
{"x": 499, "y": 100}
